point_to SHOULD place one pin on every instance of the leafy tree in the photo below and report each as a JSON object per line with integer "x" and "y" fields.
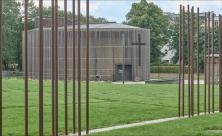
{"x": 47, "y": 12}
{"x": 174, "y": 42}
{"x": 150, "y": 16}
{"x": 12, "y": 27}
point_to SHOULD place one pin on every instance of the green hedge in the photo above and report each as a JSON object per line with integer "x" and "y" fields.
{"x": 166, "y": 69}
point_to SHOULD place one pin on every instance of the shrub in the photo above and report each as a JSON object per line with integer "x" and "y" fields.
{"x": 166, "y": 69}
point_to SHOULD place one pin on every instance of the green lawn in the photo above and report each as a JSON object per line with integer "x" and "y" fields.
{"x": 109, "y": 104}
{"x": 209, "y": 125}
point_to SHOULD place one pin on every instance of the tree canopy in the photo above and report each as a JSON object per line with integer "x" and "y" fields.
{"x": 174, "y": 42}
{"x": 13, "y": 26}
{"x": 148, "y": 15}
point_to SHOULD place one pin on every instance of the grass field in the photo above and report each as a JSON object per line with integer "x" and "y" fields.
{"x": 110, "y": 104}
{"x": 209, "y": 125}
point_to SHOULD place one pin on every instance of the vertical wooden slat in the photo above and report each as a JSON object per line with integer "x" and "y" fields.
{"x": 79, "y": 71}
{"x": 208, "y": 62}
{"x": 212, "y": 62}
{"x": 123, "y": 59}
{"x": 198, "y": 68}
{"x": 41, "y": 69}
{"x": 87, "y": 66}
{"x": 53, "y": 67}
{"x": 74, "y": 67}
{"x": 26, "y": 67}
{"x": 1, "y": 44}
{"x": 205, "y": 60}
{"x": 66, "y": 91}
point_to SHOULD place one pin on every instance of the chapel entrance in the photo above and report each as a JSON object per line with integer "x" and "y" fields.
{"x": 127, "y": 73}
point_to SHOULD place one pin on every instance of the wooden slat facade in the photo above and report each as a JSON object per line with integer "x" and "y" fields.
{"x": 105, "y": 53}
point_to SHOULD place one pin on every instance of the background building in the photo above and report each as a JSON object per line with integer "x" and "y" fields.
{"x": 216, "y": 67}
{"x": 111, "y": 47}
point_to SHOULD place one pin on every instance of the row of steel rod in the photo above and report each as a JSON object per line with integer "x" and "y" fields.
{"x": 209, "y": 79}
{"x": 54, "y": 80}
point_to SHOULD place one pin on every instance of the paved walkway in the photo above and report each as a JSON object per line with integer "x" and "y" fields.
{"x": 129, "y": 82}
{"x": 149, "y": 122}
{"x": 143, "y": 82}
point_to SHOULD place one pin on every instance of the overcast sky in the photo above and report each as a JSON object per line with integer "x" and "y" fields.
{"x": 115, "y": 10}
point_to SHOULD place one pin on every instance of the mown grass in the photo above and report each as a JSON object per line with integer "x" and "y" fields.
{"x": 207, "y": 125}
{"x": 110, "y": 104}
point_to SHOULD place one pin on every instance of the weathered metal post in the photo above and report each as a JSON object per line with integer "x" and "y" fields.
{"x": 179, "y": 60}
{"x": 183, "y": 60}
{"x": 192, "y": 60}
{"x": 212, "y": 62}
{"x": 1, "y": 44}
{"x": 66, "y": 64}
{"x": 188, "y": 46}
{"x": 56, "y": 68}
{"x": 53, "y": 68}
{"x": 87, "y": 66}
{"x": 79, "y": 69}
{"x": 220, "y": 64}
{"x": 198, "y": 68}
{"x": 74, "y": 67}
{"x": 41, "y": 120}
{"x": 205, "y": 60}
{"x": 26, "y": 67}
{"x": 208, "y": 62}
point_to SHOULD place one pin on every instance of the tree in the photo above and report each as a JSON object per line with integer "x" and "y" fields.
{"x": 174, "y": 42}
{"x": 47, "y": 12}
{"x": 150, "y": 16}
{"x": 12, "y": 26}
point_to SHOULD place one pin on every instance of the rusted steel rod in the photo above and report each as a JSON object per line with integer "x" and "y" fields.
{"x": 66, "y": 64}
{"x": 205, "y": 60}
{"x": 179, "y": 54}
{"x": 220, "y": 64}
{"x": 87, "y": 67}
{"x": 188, "y": 46}
{"x": 1, "y": 44}
{"x": 79, "y": 70}
{"x": 198, "y": 68}
{"x": 56, "y": 67}
{"x": 212, "y": 62}
{"x": 74, "y": 68}
{"x": 26, "y": 67}
{"x": 209, "y": 62}
{"x": 41, "y": 120}
{"x": 192, "y": 60}
{"x": 183, "y": 60}
{"x": 53, "y": 68}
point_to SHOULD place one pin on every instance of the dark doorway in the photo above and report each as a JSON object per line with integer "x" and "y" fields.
{"x": 119, "y": 72}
